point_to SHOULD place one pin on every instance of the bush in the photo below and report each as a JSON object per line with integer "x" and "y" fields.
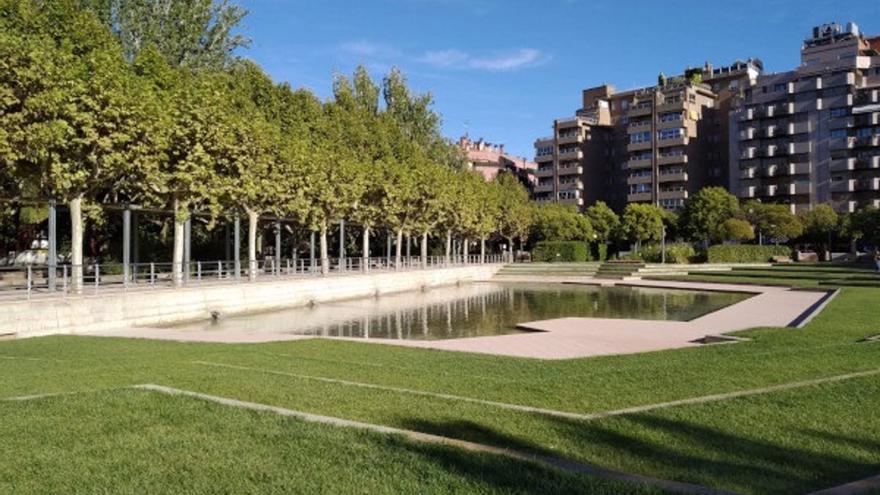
{"x": 679, "y": 253}
{"x": 560, "y": 251}
{"x": 601, "y": 251}
{"x": 745, "y": 253}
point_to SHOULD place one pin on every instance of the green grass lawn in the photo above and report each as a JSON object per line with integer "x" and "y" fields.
{"x": 125, "y": 441}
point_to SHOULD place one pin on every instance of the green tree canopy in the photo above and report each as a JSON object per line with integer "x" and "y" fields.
{"x": 642, "y": 222}
{"x": 706, "y": 211}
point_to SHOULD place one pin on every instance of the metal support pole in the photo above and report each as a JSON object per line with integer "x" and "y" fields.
{"x": 187, "y": 247}
{"x": 126, "y": 246}
{"x": 278, "y": 248}
{"x": 236, "y": 248}
{"x": 312, "y": 250}
{"x": 53, "y": 245}
{"x": 341, "y": 242}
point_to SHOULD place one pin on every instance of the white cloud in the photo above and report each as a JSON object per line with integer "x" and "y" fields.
{"x": 519, "y": 59}
{"x": 504, "y": 61}
{"x": 363, "y": 48}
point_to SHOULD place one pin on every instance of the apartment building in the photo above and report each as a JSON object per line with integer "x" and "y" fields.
{"x": 812, "y": 135}
{"x": 490, "y": 159}
{"x": 657, "y": 144}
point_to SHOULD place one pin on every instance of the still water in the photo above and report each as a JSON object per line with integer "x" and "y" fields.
{"x": 473, "y": 310}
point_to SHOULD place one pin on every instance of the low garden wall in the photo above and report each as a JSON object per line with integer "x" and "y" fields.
{"x": 109, "y": 310}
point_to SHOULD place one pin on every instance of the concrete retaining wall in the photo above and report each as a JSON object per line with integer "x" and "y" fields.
{"x": 110, "y": 310}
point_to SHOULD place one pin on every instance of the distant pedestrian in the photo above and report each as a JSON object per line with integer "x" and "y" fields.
{"x": 877, "y": 257}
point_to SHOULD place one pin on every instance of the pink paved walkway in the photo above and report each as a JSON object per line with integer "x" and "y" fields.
{"x": 567, "y": 338}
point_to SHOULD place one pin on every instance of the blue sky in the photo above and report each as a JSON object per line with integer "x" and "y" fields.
{"x": 504, "y": 69}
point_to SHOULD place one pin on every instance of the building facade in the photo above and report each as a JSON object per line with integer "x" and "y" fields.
{"x": 812, "y": 135}
{"x": 490, "y": 159}
{"x": 656, "y": 144}
{"x": 802, "y": 137}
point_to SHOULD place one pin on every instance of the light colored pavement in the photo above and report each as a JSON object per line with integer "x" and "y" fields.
{"x": 568, "y": 338}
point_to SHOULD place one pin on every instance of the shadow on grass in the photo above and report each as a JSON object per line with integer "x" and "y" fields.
{"x": 682, "y": 451}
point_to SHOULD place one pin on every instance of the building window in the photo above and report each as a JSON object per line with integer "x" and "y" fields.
{"x": 670, "y": 133}
{"x": 544, "y": 150}
{"x": 779, "y": 87}
{"x": 838, "y": 133}
{"x": 670, "y": 117}
{"x": 639, "y": 188}
{"x": 839, "y": 112}
{"x": 640, "y": 137}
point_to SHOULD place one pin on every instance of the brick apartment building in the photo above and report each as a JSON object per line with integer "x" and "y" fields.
{"x": 777, "y": 137}
{"x": 490, "y": 159}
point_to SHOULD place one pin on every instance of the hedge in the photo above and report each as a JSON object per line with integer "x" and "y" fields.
{"x": 749, "y": 253}
{"x": 560, "y": 251}
{"x": 679, "y": 252}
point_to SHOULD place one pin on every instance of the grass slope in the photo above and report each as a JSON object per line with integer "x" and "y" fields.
{"x": 785, "y": 442}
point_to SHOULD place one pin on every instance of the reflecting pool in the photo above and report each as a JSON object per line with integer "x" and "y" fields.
{"x": 472, "y": 310}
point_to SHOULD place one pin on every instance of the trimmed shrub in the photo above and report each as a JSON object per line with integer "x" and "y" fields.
{"x": 559, "y": 251}
{"x": 748, "y": 253}
{"x": 601, "y": 251}
{"x": 678, "y": 253}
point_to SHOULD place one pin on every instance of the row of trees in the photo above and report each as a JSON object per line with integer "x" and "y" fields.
{"x": 101, "y": 102}
{"x": 711, "y": 216}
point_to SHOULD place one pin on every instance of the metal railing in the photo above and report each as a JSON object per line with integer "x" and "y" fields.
{"x": 25, "y": 282}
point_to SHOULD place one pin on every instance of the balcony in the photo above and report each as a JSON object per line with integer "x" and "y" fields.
{"x": 639, "y": 110}
{"x": 570, "y": 137}
{"x": 747, "y": 153}
{"x": 668, "y": 124}
{"x": 808, "y": 84}
{"x": 771, "y": 191}
{"x": 747, "y": 192}
{"x": 544, "y": 187}
{"x": 571, "y": 201}
{"x": 773, "y": 150}
{"x": 746, "y": 134}
{"x": 639, "y": 197}
{"x": 747, "y": 173}
{"x": 570, "y": 186}
{"x": 868, "y": 141}
{"x": 797, "y": 128}
{"x": 841, "y": 186}
{"x": 867, "y": 162}
{"x": 639, "y": 179}
{"x": 773, "y": 170}
{"x": 544, "y": 172}
{"x": 846, "y": 79}
{"x": 868, "y": 118}
{"x": 676, "y": 141}
{"x": 799, "y": 168}
{"x": 843, "y": 164}
{"x": 570, "y": 154}
{"x": 747, "y": 114}
{"x": 835, "y": 101}
{"x": 639, "y": 163}
{"x": 870, "y": 184}
{"x": 672, "y": 159}
{"x": 799, "y": 148}
{"x": 570, "y": 169}
{"x": 639, "y": 124}
{"x": 673, "y": 177}
{"x": 798, "y": 188}
{"x": 544, "y": 158}
{"x": 675, "y": 106}
{"x": 641, "y": 146}
{"x": 677, "y": 194}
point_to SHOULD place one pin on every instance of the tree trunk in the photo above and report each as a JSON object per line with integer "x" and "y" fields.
{"x": 365, "y": 250}
{"x": 448, "y": 247}
{"x": 325, "y": 258}
{"x": 464, "y": 250}
{"x": 177, "y": 255}
{"x": 424, "y": 250}
{"x": 511, "y": 250}
{"x": 397, "y": 249}
{"x": 76, "y": 244}
{"x": 482, "y": 250}
{"x": 253, "y": 219}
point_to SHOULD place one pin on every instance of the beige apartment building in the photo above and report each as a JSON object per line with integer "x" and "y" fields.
{"x": 657, "y": 144}
{"x": 812, "y": 135}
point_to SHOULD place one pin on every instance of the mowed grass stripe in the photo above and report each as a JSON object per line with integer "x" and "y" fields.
{"x": 554, "y": 462}
{"x": 564, "y": 414}
{"x": 502, "y": 405}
